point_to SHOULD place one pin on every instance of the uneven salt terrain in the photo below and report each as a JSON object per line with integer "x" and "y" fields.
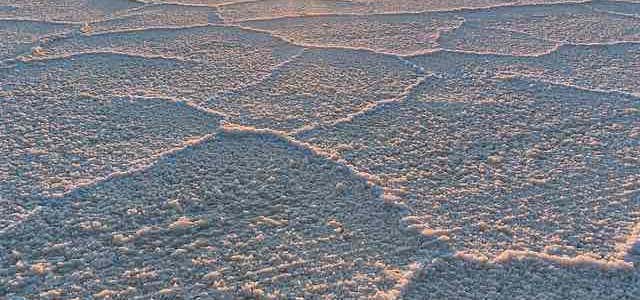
{"x": 318, "y": 86}
{"x": 56, "y": 144}
{"x": 320, "y": 149}
{"x": 21, "y": 36}
{"x": 503, "y": 164}
{"x": 72, "y": 11}
{"x": 238, "y": 214}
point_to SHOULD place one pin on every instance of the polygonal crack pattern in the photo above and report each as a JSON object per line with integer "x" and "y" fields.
{"x": 319, "y": 149}
{"x": 54, "y": 144}
{"x": 504, "y": 164}
{"x": 240, "y": 214}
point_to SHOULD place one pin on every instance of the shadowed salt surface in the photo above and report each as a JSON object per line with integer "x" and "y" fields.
{"x": 525, "y": 278}
{"x": 241, "y": 214}
{"x": 19, "y": 37}
{"x": 228, "y": 149}
{"x": 504, "y": 164}
{"x": 619, "y": 7}
{"x": 55, "y": 144}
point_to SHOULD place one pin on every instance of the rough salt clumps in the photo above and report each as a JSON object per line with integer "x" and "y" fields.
{"x": 270, "y": 9}
{"x": 40, "y": 268}
{"x": 629, "y": 8}
{"x": 92, "y": 226}
{"x": 184, "y": 223}
{"x": 56, "y": 144}
{"x": 389, "y": 198}
{"x": 566, "y": 22}
{"x": 157, "y": 16}
{"x": 318, "y": 87}
{"x": 175, "y": 204}
{"x": 13, "y": 213}
{"x": 401, "y": 34}
{"x": 120, "y": 238}
{"x": 495, "y": 159}
{"x": 162, "y": 65}
{"x": 303, "y": 193}
{"x": 238, "y": 49}
{"x": 589, "y": 67}
{"x": 474, "y": 277}
{"x": 140, "y": 274}
{"x": 403, "y": 281}
{"x": 22, "y": 37}
{"x": 73, "y": 11}
{"x": 481, "y": 159}
{"x": 392, "y": 6}
{"x": 246, "y": 10}
{"x": 469, "y": 163}
{"x": 470, "y": 37}
{"x": 111, "y": 294}
{"x": 52, "y": 294}
{"x": 271, "y": 222}
{"x": 194, "y": 3}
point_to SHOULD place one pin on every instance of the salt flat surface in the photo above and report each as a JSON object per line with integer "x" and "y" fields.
{"x": 319, "y": 149}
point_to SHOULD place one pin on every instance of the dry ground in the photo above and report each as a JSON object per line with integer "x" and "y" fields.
{"x": 319, "y": 149}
